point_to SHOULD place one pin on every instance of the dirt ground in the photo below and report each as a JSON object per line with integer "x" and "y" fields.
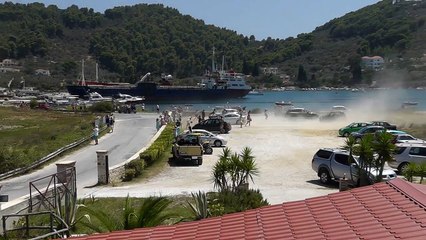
{"x": 283, "y": 150}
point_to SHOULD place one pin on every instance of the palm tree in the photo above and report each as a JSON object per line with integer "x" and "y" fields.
{"x": 383, "y": 147}
{"x": 233, "y": 170}
{"x": 248, "y": 166}
{"x": 410, "y": 171}
{"x": 366, "y": 159}
{"x": 422, "y": 171}
{"x": 104, "y": 223}
{"x": 220, "y": 170}
{"x": 350, "y": 145}
{"x": 151, "y": 213}
{"x": 200, "y": 206}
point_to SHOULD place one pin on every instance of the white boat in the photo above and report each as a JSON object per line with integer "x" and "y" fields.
{"x": 126, "y": 98}
{"x": 255, "y": 92}
{"x": 96, "y": 97}
{"x": 283, "y": 103}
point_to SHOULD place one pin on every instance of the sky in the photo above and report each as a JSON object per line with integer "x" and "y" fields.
{"x": 261, "y": 18}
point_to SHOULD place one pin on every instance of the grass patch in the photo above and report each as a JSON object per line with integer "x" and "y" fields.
{"x": 115, "y": 207}
{"x": 27, "y": 135}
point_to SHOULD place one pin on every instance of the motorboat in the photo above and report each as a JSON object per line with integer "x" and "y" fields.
{"x": 255, "y": 92}
{"x": 284, "y": 103}
{"x": 128, "y": 99}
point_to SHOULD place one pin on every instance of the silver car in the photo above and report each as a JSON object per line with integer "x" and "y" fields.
{"x": 213, "y": 139}
{"x": 234, "y": 118}
{"x": 407, "y": 153}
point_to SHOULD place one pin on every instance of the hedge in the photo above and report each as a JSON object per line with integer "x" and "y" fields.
{"x": 154, "y": 153}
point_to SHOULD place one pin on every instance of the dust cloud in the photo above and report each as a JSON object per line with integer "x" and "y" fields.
{"x": 283, "y": 151}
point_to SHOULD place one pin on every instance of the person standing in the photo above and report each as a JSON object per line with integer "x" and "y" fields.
{"x": 248, "y": 118}
{"x": 111, "y": 122}
{"x": 203, "y": 114}
{"x": 158, "y": 108}
{"x": 95, "y": 134}
{"x": 266, "y": 114}
{"x": 157, "y": 124}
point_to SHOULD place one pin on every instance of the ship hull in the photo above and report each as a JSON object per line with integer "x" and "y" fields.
{"x": 154, "y": 93}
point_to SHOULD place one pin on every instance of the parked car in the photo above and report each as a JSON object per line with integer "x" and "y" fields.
{"x": 367, "y": 130}
{"x": 395, "y": 132}
{"x": 353, "y": 127}
{"x": 407, "y": 138}
{"x": 234, "y": 118}
{"x": 215, "y": 124}
{"x": 384, "y": 124}
{"x": 189, "y": 137}
{"x": 334, "y": 115}
{"x": 300, "y": 113}
{"x": 213, "y": 139}
{"x": 406, "y": 153}
{"x": 339, "y": 108}
{"x": 188, "y": 149}
{"x": 334, "y": 163}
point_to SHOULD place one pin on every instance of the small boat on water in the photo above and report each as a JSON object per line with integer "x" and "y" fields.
{"x": 255, "y": 92}
{"x": 409, "y": 104}
{"x": 283, "y": 103}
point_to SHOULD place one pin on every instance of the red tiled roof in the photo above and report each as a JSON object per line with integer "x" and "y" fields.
{"x": 392, "y": 210}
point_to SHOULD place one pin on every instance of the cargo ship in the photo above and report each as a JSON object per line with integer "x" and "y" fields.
{"x": 215, "y": 86}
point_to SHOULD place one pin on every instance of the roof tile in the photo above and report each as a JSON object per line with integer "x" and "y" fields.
{"x": 392, "y": 210}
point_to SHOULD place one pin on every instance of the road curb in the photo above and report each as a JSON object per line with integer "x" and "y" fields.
{"x": 116, "y": 170}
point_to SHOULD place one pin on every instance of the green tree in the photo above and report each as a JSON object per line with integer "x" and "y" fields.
{"x": 383, "y": 146}
{"x": 301, "y": 75}
{"x": 354, "y": 63}
{"x": 233, "y": 170}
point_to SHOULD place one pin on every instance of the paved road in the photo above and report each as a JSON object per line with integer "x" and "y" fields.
{"x": 131, "y": 133}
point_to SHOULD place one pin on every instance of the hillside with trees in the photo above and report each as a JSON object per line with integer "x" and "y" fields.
{"x": 130, "y": 41}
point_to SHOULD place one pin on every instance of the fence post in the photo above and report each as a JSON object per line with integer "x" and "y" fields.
{"x": 103, "y": 168}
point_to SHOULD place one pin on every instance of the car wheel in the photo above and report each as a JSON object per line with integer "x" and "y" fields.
{"x": 208, "y": 150}
{"x": 222, "y": 131}
{"x": 346, "y": 134}
{"x": 324, "y": 176}
{"x": 217, "y": 143}
{"x": 402, "y": 168}
{"x": 200, "y": 161}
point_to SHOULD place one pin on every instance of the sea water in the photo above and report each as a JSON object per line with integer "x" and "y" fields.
{"x": 388, "y": 99}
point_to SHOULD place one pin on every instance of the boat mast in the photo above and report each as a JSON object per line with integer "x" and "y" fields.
{"x": 83, "y": 81}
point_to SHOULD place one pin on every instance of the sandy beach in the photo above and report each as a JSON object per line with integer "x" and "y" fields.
{"x": 283, "y": 150}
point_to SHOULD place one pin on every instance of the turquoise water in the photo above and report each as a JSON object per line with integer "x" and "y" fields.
{"x": 316, "y": 100}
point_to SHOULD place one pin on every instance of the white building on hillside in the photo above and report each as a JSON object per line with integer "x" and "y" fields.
{"x": 375, "y": 63}
{"x": 42, "y": 72}
{"x": 270, "y": 70}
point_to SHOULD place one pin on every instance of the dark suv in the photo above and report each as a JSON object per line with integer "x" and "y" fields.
{"x": 215, "y": 124}
{"x": 384, "y": 124}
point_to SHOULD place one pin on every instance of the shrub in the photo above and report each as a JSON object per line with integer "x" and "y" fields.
{"x": 138, "y": 165}
{"x": 225, "y": 202}
{"x": 154, "y": 153}
{"x": 129, "y": 174}
{"x": 33, "y": 103}
{"x": 102, "y": 107}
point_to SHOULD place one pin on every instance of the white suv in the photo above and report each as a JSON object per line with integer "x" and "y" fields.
{"x": 407, "y": 153}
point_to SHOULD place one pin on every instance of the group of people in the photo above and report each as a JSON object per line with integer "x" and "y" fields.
{"x": 109, "y": 120}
